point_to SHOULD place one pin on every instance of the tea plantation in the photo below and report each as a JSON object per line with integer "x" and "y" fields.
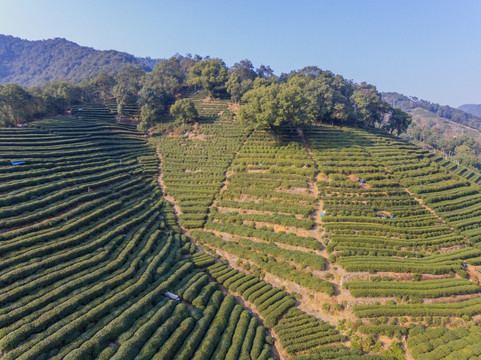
{"x": 213, "y": 241}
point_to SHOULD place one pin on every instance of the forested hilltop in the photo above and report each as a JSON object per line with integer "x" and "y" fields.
{"x": 308, "y": 95}
{"x": 33, "y": 63}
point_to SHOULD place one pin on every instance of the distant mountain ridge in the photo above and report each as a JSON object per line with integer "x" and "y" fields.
{"x": 408, "y": 103}
{"x": 33, "y": 63}
{"x": 452, "y": 131}
{"x": 474, "y": 109}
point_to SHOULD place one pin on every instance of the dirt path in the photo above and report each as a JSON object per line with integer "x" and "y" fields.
{"x": 223, "y": 209}
{"x": 160, "y": 180}
{"x": 339, "y": 275}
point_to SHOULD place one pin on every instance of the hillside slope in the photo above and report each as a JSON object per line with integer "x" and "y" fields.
{"x": 337, "y": 242}
{"x": 409, "y": 104}
{"x": 92, "y": 255}
{"x": 32, "y": 63}
{"x": 367, "y": 232}
{"x": 449, "y": 130}
{"x": 474, "y": 109}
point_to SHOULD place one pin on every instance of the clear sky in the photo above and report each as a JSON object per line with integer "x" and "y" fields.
{"x": 425, "y": 48}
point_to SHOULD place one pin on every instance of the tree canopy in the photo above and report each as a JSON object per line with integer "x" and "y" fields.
{"x": 274, "y": 105}
{"x": 185, "y": 110}
{"x": 210, "y": 73}
{"x": 15, "y": 105}
{"x": 308, "y": 95}
{"x": 398, "y": 121}
{"x": 316, "y": 96}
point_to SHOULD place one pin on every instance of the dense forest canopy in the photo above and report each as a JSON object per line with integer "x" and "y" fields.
{"x": 309, "y": 95}
{"x": 312, "y": 95}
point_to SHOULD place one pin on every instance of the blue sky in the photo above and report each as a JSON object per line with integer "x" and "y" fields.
{"x": 426, "y": 48}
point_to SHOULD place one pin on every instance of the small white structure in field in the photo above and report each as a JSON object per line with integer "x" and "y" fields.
{"x": 172, "y": 296}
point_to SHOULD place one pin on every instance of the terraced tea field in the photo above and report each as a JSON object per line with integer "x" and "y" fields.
{"x": 90, "y": 252}
{"x": 345, "y": 226}
{"x": 210, "y": 241}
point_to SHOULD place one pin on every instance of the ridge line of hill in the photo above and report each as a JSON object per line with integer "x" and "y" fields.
{"x": 33, "y": 63}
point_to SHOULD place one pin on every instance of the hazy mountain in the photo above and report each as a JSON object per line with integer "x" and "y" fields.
{"x": 410, "y": 103}
{"x": 474, "y": 109}
{"x": 36, "y": 62}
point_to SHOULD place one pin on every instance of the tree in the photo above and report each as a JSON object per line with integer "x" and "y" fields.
{"x": 123, "y": 97}
{"x": 398, "y": 121}
{"x": 328, "y": 95}
{"x": 233, "y": 87}
{"x": 241, "y": 79}
{"x": 265, "y": 72}
{"x": 156, "y": 98}
{"x": 103, "y": 85}
{"x": 16, "y": 105}
{"x": 465, "y": 156}
{"x": 185, "y": 110}
{"x": 168, "y": 74}
{"x": 245, "y": 70}
{"x": 236, "y": 87}
{"x": 152, "y": 103}
{"x": 210, "y": 73}
{"x": 369, "y": 108}
{"x": 147, "y": 115}
{"x": 64, "y": 94}
{"x": 187, "y": 62}
{"x": 130, "y": 77}
{"x": 274, "y": 105}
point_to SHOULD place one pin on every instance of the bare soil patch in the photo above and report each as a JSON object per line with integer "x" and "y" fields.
{"x": 359, "y": 181}
{"x": 194, "y": 136}
{"x": 190, "y": 171}
{"x": 234, "y": 107}
{"x": 253, "y": 171}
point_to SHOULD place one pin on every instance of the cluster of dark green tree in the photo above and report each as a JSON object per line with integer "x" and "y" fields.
{"x": 268, "y": 101}
{"x": 312, "y": 95}
{"x": 408, "y": 103}
{"x": 304, "y": 96}
{"x": 16, "y": 105}
{"x": 151, "y": 92}
{"x": 19, "y": 105}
